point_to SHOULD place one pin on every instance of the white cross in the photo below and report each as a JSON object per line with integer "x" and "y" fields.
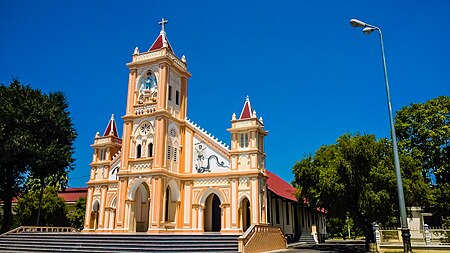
{"x": 162, "y": 23}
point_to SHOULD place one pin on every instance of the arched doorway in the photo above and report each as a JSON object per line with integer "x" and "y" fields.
{"x": 112, "y": 213}
{"x": 213, "y": 214}
{"x": 140, "y": 208}
{"x": 94, "y": 215}
{"x": 245, "y": 214}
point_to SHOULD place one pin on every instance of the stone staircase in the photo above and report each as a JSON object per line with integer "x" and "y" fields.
{"x": 305, "y": 238}
{"x": 115, "y": 243}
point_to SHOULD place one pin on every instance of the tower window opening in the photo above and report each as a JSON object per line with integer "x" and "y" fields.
{"x": 150, "y": 149}
{"x": 102, "y": 155}
{"x": 169, "y": 155}
{"x": 138, "y": 151}
{"x": 170, "y": 93}
{"x": 177, "y": 97}
{"x": 244, "y": 140}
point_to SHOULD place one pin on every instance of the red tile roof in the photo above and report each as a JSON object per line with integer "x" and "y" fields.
{"x": 69, "y": 194}
{"x": 280, "y": 187}
{"x": 158, "y": 44}
{"x": 73, "y": 194}
{"x": 111, "y": 128}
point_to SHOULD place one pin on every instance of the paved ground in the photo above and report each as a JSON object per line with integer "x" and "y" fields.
{"x": 331, "y": 246}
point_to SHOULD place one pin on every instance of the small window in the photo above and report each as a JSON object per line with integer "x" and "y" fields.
{"x": 177, "y": 97}
{"x": 244, "y": 140}
{"x": 150, "y": 150}
{"x": 287, "y": 214}
{"x": 175, "y": 154}
{"x": 277, "y": 212}
{"x": 169, "y": 150}
{"x": 170, "y": 93}
{"x": 138, "y": 151}
{"x": 102, "y": 154}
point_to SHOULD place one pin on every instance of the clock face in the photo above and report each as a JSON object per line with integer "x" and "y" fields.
{"x": 145, "y": 128}
{"x": 173, "y": 133}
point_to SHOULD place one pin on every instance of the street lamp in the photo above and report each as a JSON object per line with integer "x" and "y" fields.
{"x": 368, "y": 29}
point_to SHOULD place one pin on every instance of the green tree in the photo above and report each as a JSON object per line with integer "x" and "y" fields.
{"x": 423, "y": 130}
{"x": 356, "y": 177}
{"x": 36, "y": 140}
{"x": 76, "y": 217}
{"x": 54, "y": 210}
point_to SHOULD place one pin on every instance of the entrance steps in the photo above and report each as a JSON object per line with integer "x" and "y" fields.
{"x": 307, "y": 238}
{"x": 116, "y": 243}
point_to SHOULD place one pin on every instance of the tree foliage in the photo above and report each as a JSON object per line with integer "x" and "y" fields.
{"x": 76, "y": 217}
{"x": 36, "y": 140}
{"x": 356, "y": 177}
{"x": 54, "y": 210}
{"x": 423, "y": 130}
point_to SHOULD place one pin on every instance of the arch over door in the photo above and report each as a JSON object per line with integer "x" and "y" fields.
{"x": 94, "y": 215}
{"x": 245, "y": 214}
{"x": 141, "y": 208}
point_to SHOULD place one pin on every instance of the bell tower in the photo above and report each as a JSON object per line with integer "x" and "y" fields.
{"x": 247, "y": 140}
{"x": 153, "y": 131}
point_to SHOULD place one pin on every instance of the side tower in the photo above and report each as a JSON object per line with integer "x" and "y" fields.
{"x": 104, "y": 166}
{"x": 247, "y": 156}
{"x": 247, "y": 140}
{"x": 153, "y": 137}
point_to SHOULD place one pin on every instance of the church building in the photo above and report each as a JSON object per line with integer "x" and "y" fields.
{"x": 166, "y": 174}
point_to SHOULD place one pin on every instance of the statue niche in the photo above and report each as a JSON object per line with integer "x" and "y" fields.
{"x": 148, "y": 89}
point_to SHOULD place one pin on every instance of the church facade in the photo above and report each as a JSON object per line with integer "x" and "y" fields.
{"x": 166, "y": 174}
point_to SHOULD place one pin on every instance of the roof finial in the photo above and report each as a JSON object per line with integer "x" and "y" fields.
{"x": 247, "y": 99}
{"x": 112, "y": 116}
{"x": 162, "y": 23}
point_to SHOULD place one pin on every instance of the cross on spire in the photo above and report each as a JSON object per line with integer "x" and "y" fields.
{"x": 162, "y": 23}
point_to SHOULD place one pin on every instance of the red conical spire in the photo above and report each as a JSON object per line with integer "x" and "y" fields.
{"x": 246, "y": 112}
{"x": 111, "y": 129}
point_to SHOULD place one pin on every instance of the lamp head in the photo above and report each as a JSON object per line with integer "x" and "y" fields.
{"x": 368, "y": 30}
{"x": 357, "y": 23}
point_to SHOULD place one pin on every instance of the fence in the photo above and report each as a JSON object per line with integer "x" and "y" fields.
{"x": 40, "y": 229}
{"x": 427, "y": 236}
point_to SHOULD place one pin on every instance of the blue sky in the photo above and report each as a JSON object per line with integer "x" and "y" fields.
{"x": 309, "y": 74}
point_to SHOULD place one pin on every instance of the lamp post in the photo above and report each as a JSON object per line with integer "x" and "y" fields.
{"x": 368, "y": 29}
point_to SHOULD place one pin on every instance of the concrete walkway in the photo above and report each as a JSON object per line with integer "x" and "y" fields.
{"x": 330, "y": 246}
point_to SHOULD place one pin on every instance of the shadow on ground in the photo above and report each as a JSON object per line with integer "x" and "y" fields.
{"x": 332, "y": 246}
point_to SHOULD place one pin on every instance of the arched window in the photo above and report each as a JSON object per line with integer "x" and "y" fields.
{"x": 150, "y": 149}
{"x": 138, "y": 151}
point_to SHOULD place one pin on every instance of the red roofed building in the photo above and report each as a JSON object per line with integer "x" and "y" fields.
{"x": 70, "y": 196}
{"x": 299, "y": 222}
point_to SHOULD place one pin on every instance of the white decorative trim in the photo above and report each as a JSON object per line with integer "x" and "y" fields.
{"x": 177, "y": 61}
{"x": 112, "y": 187}
{"x": 142, "y": 166}
{"x": 147, "y": 55}
{"x": 243, "y": 123}
{"x": 144, "y": 109}
{"x": 97, "y": 190}
{"x": 216, "y": 140}
{"x": 211, "y": 182}
{"x": 244, "y": 182}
